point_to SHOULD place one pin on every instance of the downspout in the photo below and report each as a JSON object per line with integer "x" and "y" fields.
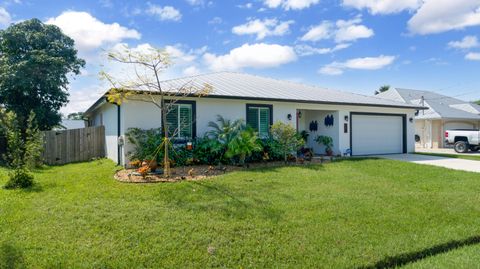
{"x": 119, "y": 146}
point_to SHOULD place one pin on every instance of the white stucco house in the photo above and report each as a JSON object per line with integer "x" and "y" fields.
{"x": 444, "y": 113}
{"x": 359, "y": 124}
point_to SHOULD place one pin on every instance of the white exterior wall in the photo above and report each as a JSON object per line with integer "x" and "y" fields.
{"x": 107, "y": 115}
{"x": 146, "y": 116}
{"x": 333, "y": 131}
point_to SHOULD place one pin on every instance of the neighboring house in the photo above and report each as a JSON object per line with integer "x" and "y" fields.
{"x": 444, "y": 113}
{"x": 67, "y": 124}
{"x": 361, "y": 124}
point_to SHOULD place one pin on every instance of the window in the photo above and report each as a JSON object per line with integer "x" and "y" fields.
{"x": 180, "y": 120}
{"x": 259, "y": 117}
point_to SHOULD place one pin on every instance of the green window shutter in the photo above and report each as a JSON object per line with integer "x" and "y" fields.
{"x": 185, "y": 121}
{"x": 252, "y": 117}
{"x": 264, "y": 124}
{"x": 172, "y": 120}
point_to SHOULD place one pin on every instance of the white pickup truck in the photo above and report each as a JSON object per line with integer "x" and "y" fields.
{"x": 463, "y": 140}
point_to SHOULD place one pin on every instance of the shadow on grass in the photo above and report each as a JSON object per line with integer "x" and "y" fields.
{"x": 411, "y": 257}
{"x": 11, "y": 256}
{"x": 214, "y": 197}
{"x": 279, "y": 167}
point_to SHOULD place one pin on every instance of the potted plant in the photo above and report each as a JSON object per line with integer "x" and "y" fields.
{"x": 327, "y": 141}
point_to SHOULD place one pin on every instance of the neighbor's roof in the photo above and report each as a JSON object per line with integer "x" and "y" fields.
{"x": 440, "y": 106}
{"x": 245, "y": 86}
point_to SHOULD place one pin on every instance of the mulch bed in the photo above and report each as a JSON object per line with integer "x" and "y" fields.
{"x": 199, "y": 172}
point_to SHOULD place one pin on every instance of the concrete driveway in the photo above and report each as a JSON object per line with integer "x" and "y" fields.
{"x": 457, "y": 164}
{"x": 446, "y": 151}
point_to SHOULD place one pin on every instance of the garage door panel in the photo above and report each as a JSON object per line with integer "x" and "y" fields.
{"x": 377, "y": 134}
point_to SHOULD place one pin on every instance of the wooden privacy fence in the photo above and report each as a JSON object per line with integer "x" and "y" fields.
{"x": 76, "y": 145}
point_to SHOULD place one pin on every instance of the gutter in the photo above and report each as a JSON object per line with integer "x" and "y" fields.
{"x": 98, "y": 102}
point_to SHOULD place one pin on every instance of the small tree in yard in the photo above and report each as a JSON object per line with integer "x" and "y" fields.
{"x": 142, "y": 83}
{"x": 287, "y": 138}
{"x": 23, "y": 153}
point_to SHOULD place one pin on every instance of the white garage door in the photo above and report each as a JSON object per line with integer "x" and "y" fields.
{"x": 377, "y": 134}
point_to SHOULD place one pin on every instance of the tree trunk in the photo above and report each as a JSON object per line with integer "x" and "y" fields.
{"x": 166, "y": 159}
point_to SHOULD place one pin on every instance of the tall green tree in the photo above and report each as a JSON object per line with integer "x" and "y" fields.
{"x": 35, "y": 62}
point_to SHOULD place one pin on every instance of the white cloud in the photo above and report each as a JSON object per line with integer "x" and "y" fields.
{"x": 88, "y": 32}
{"x": 263, "y": 28}
{"x": 166, "y": 13}
{"x": 383, "y": 6}
{"x": 341, "y": 31}
{"x": 191, "y": 71}
{"x": 306, "y": 50}
{"x": 290, "y": 4}
{"x": 436, "y": 16}
{"x": 367, "y": 63}
{"x": 351, "y": 30}
{"x": 319, "y": 32}
{"x": 5, "y": 17}
{"x": 258, "y": 55}
{"x": 473, "y": 56}
{"x": 467, "y": 42}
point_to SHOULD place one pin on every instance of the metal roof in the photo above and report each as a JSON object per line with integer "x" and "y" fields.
{"x": 251, "y": 87}
{"x": 440, "y": 106}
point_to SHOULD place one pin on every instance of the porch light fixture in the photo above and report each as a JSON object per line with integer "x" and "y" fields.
{"x": 411, "y": 120}
{"x": 289, "y": 116}
{"x": 346, "y": 118}
{"x": 299, "y": 114}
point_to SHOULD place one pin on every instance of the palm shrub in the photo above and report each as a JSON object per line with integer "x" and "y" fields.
{"x": 243, "y": 145}
{"x": 224, "y": 132}
{"x": 287, "y": 138}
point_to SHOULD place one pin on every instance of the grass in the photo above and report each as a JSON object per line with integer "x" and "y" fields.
{"x": 475, "y": 157}
{"x": 349, "y": 214}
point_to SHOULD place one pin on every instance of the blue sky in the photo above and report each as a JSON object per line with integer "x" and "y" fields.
{"x": 352, "y": 45}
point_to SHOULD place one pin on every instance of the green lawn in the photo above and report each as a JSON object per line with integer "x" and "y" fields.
{"x": 349, "y": 214}
{"x": 475, "y": 157}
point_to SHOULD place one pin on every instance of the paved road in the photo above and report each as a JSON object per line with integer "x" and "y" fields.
{"x": 457, "y": 164}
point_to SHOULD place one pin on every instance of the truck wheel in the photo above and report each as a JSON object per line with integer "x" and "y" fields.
{"x": 461, "y": 147}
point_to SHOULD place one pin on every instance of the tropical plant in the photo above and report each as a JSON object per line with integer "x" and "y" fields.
{"x": 383, "y": 88}
{"x": 145, "y": 143}
{"x": 287, "y": 138}
{"x": 224, "y": 131}
{"x": 208, "y": 151}
{"x": 304, "y": 135}
{"x": 243, "y": 145}
{"x": 327, "y": 141}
